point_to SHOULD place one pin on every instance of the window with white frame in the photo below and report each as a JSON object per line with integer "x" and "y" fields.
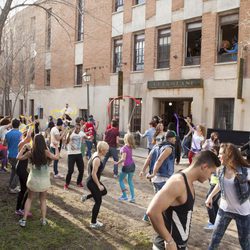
{"x": 48, "y": 29}
{"x": 47, "y": 77}
{"x": 79, "y": 73}
{"x": 228, "y": 38}
{"x": 139, "y": 52}
{"x": 139, "y": 1}
{"x": 119, "y": 5}
{"x": 117, "y": 55}
{"x": 224, "y": 113}
{"x": 193, "y": 43}
{"x": 79, "y": 11}
{"x": 163, "y": 48}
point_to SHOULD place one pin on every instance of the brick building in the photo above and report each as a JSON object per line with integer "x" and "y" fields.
{"x": 169, "y": 52}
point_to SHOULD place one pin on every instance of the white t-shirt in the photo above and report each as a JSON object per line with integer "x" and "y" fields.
{"x": 231, "y": 203}
{"x": 196, "y": 141}
{"x": 54, "y": 131}
{"x": 3, "y": 131}
{"x": 75, "y": 143}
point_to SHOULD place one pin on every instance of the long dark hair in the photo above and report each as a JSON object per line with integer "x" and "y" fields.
{"x": 38, "y": 155}
{"x": 233, "y": 156}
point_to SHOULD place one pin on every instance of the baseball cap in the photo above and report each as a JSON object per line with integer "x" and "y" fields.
{"x": 170, "y": 134}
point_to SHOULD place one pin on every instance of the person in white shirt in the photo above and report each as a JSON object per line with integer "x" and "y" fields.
{"x": 56, "y": 134}
{"x": 74, "y": 143}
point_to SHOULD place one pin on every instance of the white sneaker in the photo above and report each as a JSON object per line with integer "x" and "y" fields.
{"x": 115, "y": 175}
{"x": 13, "y": 191}
{"x": 58, "y": 176}
{"x": 96, "y": 225}
{"x": 209, "y": 226}
{"x": 83, "y": 198}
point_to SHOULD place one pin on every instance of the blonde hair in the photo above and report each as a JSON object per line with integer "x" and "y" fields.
{"x": 102, "y": 145}
{"x": 129, "y": 139}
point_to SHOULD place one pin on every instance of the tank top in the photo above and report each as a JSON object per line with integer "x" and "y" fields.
{"x": 178, "y": 220}
{"x": 90, "y": 168}
{"x": 22, "y": 164}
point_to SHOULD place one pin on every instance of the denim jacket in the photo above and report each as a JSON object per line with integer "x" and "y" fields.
{"x": 241, "y": 184}
{"x": 167, "y": 167}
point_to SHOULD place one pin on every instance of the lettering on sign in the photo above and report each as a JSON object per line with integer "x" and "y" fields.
{"x": 176, "y": 84}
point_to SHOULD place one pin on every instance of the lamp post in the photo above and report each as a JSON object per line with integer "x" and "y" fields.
{"x": 86, "y": 79}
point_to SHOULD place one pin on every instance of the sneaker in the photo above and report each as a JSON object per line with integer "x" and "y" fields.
{"x": 80, "y": 185}
{"x": 3, "y": 170}
{"x": 58, "y": 176}
{"x": 145, "y": 218}
{"x": 96, "y": 225}
{"x": 66, "y": 187}
{"x": 44, "y": 222}
{"x": 83, "y": 198}
{"x": 132, "y": 200}
{"x": 19, "y": 212}
{"x": 122, "y": 198}
{"x": 22, "y": 223}
{"x": 209, "y": 226}
{"x": 115, "y": 175}
{"x": 13, "y": 191}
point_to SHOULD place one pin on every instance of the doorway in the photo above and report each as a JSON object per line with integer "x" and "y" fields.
{"x": 171, "y": 106}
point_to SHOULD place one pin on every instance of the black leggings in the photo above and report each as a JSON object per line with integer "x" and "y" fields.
{"x": 72, "y": 159}
{"x": 22, "y": 195}
{"x": 96, "y": 194}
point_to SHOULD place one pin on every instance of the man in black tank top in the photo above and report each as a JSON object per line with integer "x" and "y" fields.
{"x": 170, "y": 211}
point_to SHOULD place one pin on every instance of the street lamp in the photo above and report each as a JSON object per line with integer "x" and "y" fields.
{"x": 86, "y": 79}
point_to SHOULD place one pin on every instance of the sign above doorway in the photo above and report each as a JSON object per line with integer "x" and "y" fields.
{"x": 176, "y": 84}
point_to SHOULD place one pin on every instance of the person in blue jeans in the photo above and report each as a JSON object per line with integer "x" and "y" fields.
{"x": 128, "y": 168}
{"x": 235, "y": 192}
{"x": 111, "y": 136}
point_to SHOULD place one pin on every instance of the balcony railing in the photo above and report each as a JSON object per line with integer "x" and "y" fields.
{"x": 192, "y": 60}
{"x": 227, "y": 57}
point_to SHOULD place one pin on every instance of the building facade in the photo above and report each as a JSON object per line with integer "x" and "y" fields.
{"x": 174, "y": 56}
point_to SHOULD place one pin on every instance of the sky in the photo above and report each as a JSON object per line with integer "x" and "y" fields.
{"x": 2, "y": 2}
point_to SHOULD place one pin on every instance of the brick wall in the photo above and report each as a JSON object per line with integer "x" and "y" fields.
{"x": 177, "y": 4}
{"x": 176, "y": 53}
{"x": 244, "y": 35}
{"x": 150, "y": 8}
{"x": 208, "y": 46}
{"x": 97, "y": 40}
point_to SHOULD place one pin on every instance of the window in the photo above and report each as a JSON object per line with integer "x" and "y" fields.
{"x": 83, "y": 113}
{"x": 79, "y": 20}
{"x": 114, "y": 109}
{"x": 21, "y": 107}
{"x": 193, "y": 44}
{"x": 48, "y": 29}
{"x": 118, "y": 5}
{"x": 139, "y": 52}
{"x": 47, "y": 77}
{"x": 139, "y": 1}
{"x": 79, "y": 75}
{"x": 228, "y": 38}
{"x": 224, "y": 113}
{"x": 163, "y": 50}
{"x": 33, "y": 28}
{"x": 31, "y": 106}
{"x": 32, "y": 70}
{"x": 40, "y": 112}
{"x": 117, "y": 55}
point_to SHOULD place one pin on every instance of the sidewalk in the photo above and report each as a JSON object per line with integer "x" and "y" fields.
{"x": 143, "y": 153}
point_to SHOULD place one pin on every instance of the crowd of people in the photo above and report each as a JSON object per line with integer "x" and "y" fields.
{"x": 29, "y": 151}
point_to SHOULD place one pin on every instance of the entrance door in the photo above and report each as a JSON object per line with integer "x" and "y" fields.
{"x": 170, "y": 107}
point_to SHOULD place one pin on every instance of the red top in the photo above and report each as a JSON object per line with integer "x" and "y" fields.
{"x": 89, "y": 128}
{"x": 110, "y": 136}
